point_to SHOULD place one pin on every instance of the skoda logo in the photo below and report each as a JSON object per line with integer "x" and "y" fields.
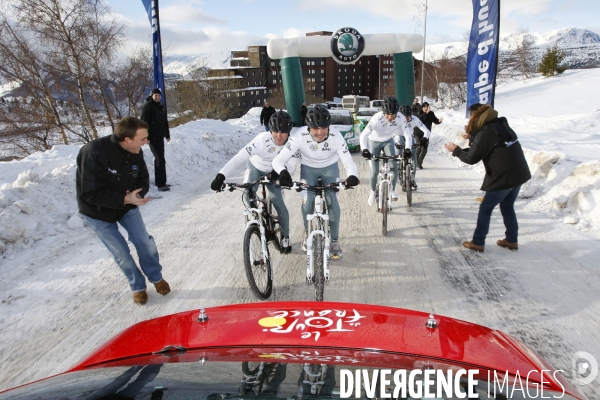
{"x": 347, "y": 45}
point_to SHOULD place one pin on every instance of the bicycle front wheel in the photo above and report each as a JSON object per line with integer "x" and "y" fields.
{"x": 384, "y": 206}
{"x": 402, "y": 179}
{"x": 408, "y": 174}
{"x": 318, "y": 264}
{"x": 258, "y": 271}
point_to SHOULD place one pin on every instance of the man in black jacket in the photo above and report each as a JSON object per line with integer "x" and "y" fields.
{"x": 154, "y": 114}
{"x": 427, "y": 117}
{"x": 506, "y": 169}
{"x": 265, "y": 115}
{"x": 303, "y": 112}
{"x": 111, "y": 182}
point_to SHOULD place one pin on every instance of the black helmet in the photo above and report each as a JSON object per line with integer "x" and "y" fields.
{"x": 406, "y": 110}
{"x": 390, "y": 105}
{"x": 318, "y": 117}
{"x": 281, "y": 121}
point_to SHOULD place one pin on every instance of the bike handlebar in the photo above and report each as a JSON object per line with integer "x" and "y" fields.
{"x": 385, "y": 158}
{"x": 300, "y": 186}
{"x": 232, "y": 186}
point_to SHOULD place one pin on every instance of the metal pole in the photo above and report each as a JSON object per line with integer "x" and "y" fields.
{"x": 379, "y": 67}
{"x": 423, "y": 61}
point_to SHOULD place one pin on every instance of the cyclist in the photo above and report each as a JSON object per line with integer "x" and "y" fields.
{"x": 379, "y": 136}
{"x": 258, "y": 155}
{"x": 407, "y": 141}
{"x": 320, "y": 146}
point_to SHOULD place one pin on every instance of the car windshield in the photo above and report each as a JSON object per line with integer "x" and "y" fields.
{"x": 338, "y": 119}
{"x": 217, "y": 374}
{"x": 366, "y": 113}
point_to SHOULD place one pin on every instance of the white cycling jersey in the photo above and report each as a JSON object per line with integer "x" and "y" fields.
{"x": 260, "y": 151}
{"x": 316, "y": 155}
{"x": 380, "y": 130}
{"x": 409, "y": 129}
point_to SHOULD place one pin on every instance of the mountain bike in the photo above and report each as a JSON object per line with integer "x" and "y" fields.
{"x": 261, "y": 378}
{"x": 316, "y": 380}
{"x": 318, "y": 238}
{"x": 383, "y": 190}
{"x": 262, "y": 229}
{"x": 405, "y": 172}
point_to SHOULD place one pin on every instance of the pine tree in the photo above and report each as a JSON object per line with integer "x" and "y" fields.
{"x": 551, "y": 60}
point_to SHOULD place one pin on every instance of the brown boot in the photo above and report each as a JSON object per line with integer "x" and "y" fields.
{"x": 140, "y": 297}
{"x": 507, "y": 244}
{"x": 472, "y": 246}
{"x": 162, "y": 287}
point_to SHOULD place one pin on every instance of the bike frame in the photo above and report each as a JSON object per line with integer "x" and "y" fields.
{"x": 384, "y": 177}
{"x": 318, "y": 214}
{"x": 255, "y": 215}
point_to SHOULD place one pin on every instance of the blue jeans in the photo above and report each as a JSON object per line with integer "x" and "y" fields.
{"x": 506, "y": 198}
{"x": 267, "y": 128}
{"x": 109, "y": 234}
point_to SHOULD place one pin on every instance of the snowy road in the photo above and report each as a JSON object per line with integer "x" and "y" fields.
{"x": 545, "y": 294}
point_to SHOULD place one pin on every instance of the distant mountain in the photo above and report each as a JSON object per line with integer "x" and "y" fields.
{"x": 581, "y": 47}
{"x": 184, "y": 65}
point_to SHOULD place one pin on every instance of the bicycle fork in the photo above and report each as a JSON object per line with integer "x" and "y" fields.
{"x": 380, "y": 201}
{"x": 261, "y": 228}
{"x": 310, "y": 251}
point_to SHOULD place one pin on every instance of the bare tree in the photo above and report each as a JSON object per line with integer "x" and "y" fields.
{"x": 103, "y": 36}
{"x": 519, "y": 59}
{"x": 131, "y": 78}
{"x": 24, "y": 62}
{"x": 63, "y": 28}
{"x": 204, "y": 96}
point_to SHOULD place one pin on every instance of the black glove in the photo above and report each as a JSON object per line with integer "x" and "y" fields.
{"x": 352, "y": 180}
{"x": 366, "y": 154}
{"x": 407, "y": 153}
{"x": 424, "y": 141}
{"x": 285, "y": 179}
{"x": 217, "y": 184}
{"x": 273, "y": 176}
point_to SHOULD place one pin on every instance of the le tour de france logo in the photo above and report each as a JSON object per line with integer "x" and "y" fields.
{"x": 347, "y": 45}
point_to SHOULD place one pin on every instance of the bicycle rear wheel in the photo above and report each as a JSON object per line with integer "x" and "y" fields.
{"x": 384, "y": 206}
{"x": 258, "y": 271}
{"x": 318, "y": 262}
{"x": 408, "y": 173}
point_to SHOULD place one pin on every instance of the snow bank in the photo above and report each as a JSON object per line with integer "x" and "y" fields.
{"x": 37, "y": 194}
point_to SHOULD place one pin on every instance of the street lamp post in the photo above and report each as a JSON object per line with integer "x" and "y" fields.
{"x": 379, "y": 68}
{"x": 423, "y": 61}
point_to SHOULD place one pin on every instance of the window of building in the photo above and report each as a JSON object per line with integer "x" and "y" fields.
{"x": 258, "y": 101}
{"x": 322, "y": 71}
{"x": 274, "y": 81}
{"x": 243, "y": 94}
{"x": 322, "y": 62}
{"x": 265, "y": 91}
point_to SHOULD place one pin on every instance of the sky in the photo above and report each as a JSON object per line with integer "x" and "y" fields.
{"x": 62, "y": 290}
{"x": 195, "y": 27}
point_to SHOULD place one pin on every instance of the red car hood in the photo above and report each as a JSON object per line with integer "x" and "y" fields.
{"x": 330, "y": 326}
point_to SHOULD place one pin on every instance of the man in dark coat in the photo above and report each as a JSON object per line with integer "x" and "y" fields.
{"x": 154, "y": 114}
{"x": 265, "y": 115}
{"x": 497, "y": 145}
{"x": 111, "y": 182}
{"x": 303, "y": 111}
{"x": 427, "y": 117}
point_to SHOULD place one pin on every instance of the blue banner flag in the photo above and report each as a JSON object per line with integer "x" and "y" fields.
{"x": 159, "y": 82}
{"x": 482, "y": 60}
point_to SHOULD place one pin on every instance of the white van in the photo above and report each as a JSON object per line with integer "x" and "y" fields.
{"x": 353, "y": 102}
{"x": 376, "y": 104}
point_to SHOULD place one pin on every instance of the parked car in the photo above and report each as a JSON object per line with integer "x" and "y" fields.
{"x": 376, "y": 104}
{"x": 344, "y": 122}
{"x": 295, "y": 350}
{"x": 363, "y": 115}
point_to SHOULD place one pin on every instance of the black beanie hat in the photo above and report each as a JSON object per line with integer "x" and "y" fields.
{"x": 156, "y": 90}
